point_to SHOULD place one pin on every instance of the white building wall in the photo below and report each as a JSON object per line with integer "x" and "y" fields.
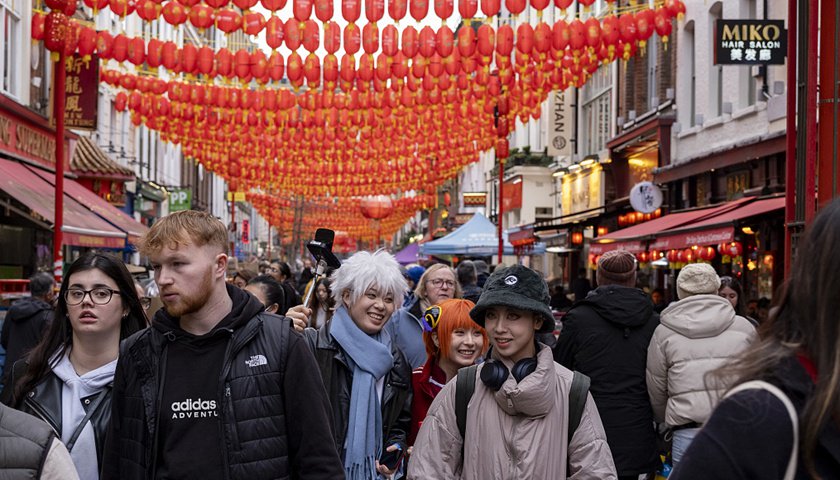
{"x": 750, "y": 120}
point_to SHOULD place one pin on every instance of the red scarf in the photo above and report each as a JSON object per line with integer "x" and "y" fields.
{"x": 808, "y": 365}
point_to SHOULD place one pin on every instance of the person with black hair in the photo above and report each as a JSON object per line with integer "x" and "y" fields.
{"x": 27, "y": 320}
{"x": 268, "y": 292}
{"x": 518, "y": 421}
{"x": 730, "y": 289}
{"x": 283, "y": 274}
{"x": 468, "y": 278}
{"x": 67, "y": 379}
{"x": 323, "y": 303}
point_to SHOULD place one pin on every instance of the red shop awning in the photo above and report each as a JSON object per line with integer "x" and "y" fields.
{"x": 717, "y": 229}
{"x": 81, "y": 226}
{"x": 99, "y": 206}
{"x": 632, "y": 238}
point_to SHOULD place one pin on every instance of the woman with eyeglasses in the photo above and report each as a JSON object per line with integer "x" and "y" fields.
{"x": 453, "y": 340}
{"x": 268, "y": 291}
{"x": 437, "y": 284}
{"x": 730, "y": 289}
{"x": 66, "y": 380}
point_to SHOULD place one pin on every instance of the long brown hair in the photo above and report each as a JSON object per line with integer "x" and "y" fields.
{"x": 59, "y": 336}
{"x": 805, "y": 321}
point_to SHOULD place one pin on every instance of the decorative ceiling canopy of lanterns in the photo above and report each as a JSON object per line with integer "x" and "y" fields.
{"x": 394, "y": 112}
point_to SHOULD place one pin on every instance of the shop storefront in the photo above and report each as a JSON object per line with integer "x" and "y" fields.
{"x": 27, "y": 195}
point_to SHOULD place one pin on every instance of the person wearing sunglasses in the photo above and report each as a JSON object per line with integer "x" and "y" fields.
{"x": 437, "y": 284}
{"x": 66, "y": 380}
{"x": 452, "y": 341}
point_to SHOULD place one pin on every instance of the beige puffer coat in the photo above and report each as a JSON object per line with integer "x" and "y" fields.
{"x": 696, "y": 335}
{"x": 516, "y": 433}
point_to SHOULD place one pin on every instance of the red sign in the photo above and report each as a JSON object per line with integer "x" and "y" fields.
{"x": 82, "y": 91}
{"x": 512, "y": 195}
{"x": 29, "y": 142}
{"x": 699, "y": 238}
{"x": 246, "y": 231}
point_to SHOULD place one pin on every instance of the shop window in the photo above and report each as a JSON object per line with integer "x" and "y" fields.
{"x": 596, "y": 112}
{"x": 10, "y": 34}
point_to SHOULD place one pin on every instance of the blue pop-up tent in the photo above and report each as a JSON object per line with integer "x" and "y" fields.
{"x": 476, "y": 237}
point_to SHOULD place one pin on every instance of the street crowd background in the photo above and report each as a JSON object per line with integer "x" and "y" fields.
{"x": 416, "y": 372}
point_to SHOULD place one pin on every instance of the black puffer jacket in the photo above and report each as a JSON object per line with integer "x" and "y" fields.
{"x": 338, "y": 378}
{"x": 606, "y": 337}
{"x": 26, "y": 322}
{"x": 274, "y": 418}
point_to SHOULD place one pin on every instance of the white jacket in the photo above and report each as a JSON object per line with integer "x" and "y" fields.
{"x": 696, "y": 335}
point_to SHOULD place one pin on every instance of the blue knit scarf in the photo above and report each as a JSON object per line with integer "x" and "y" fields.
{"x": 370, "y": 358}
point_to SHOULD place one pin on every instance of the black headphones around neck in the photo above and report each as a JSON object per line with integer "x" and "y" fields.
{"x": 494, "y": 373}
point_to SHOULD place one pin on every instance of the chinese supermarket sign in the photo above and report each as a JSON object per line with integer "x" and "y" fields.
{"x": 750, "y": 42}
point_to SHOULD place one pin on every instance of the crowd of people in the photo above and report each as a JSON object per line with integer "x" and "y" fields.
{"x": 427, "y": 372}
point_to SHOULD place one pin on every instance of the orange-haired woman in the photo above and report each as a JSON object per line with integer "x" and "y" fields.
{"x": 452, "y": 341}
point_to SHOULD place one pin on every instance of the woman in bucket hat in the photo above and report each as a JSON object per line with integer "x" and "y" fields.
{"x": 518, "y": 417}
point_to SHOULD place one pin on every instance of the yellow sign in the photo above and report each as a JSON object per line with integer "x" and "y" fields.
{"x": 236, "y": 196}
{"x": 583, "y": 191}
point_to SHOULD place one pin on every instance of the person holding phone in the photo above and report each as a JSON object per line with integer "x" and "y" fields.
{"x": 367, "y": 377}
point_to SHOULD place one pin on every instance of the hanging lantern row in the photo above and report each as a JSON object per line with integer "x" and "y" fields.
{"x": 210, "y": 12}
{"x": 436, "y": 50}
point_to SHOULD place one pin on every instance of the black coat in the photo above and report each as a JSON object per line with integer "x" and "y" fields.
{"x": 606, "y": 337}
{"x": 274, "y": 420}
{"x": 749, "y": 435}
{"x": 26, "y": 322}
{"x": 338, "y": 379}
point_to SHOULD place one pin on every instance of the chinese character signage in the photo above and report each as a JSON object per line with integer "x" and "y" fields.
{"x": 560, "y": 123}
{"x": 750, "y": 42}
{"x": 81, "y": 93}
{"x": 180, "y": 199}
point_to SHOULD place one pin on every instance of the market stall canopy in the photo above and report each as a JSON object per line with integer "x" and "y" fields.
{"x": 476, "y": 237}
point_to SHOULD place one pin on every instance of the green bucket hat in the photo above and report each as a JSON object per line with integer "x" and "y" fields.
{"x": 516, "y": 287}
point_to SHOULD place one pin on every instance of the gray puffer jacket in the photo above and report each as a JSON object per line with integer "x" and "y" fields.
{"x": 696, "y": 335}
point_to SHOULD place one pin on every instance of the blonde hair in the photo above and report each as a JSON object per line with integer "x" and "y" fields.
{"x": 420, "y": 291}
{"x": 181, "y": 228}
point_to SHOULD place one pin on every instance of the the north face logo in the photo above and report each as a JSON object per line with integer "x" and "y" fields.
{"x": 256, "y": 361}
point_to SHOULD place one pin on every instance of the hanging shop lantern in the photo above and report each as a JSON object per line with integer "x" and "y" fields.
{"x": 515, "y": 7}
{"x": 253, "y": 23}
{"x": 376, "y": 207}
{"x": 173, "y": 12}
{"x": 351, "y": 10}
{"x": 228, "y": 20}
{"x": 444, "y": 8}
{"x": 662, "y": 24}
{"x": 418, "y": 9}
{"x": 149, "y": 10}
{"x": 87, "y": 43}
{"x": 397, "y": 9}
{"x": 644, "y": 26}
{"x": 55, "y": 31}
{"x": 468, "y": 8}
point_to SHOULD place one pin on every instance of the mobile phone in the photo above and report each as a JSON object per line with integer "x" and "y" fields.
{"x": 392, "y": 459}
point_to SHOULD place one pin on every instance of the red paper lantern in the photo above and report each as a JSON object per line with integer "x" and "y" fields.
{"x": 427, "y": 42}
{"x": 444, "y": 8}
{"x": 311, "y": 36}
{"x": 376, "y": 207}
{"x": 504, "y": 40}
{"x": 515, "y": 7}
{"x": 370, "y": 40}
{"x": 273, "y": 5}
{"x": 562, "y": 5}
{"x": 468, "y": 8}
{"x": 351, "y": 10}
{"x": 490, "y": 8}
{"x": 136, "y": 52}
{"x": 202, "y": 17}
{"x": 643, "y": 257}
{"x": 662, "y": 24}
{"x": 332, "y": 37}
{"x": 170, "y": 57}
{"x": 37, "y": 26}
{"x": 55, "y": 30}
{"x": 292, "y": 34}
{"x": 245, "y": 5}
{"x": 410, "y": 42}
{"x": 148, "y": 11}
{"x": 397, "y": 9}
{"x": 735, "y": 249}
{"x": 418, "y": 9}
{"x": 276, "y": 67}
{"x": 302, "y": 9}
{"x": 707, "y": 253}
{"x": 120, "y": 101}
{"x": 228, "y": 20}
{"x": 173, "y": 12}
{"x": 253, "y": 23}
{"x": 324, "y": 10}
{"x": 644, "y": 26}
{"x": 445, "y": 41}
{"x": 352, "y": 39}
{"x": 87, "y": 42}
{"x": 96, "y": 5}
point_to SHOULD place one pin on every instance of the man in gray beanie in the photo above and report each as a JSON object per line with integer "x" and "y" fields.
{"x": 605, "y": 336}
{"x": 698, "y": 334}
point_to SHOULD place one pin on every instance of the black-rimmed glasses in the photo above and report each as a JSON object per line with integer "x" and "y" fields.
{"x": 98, "y": 295}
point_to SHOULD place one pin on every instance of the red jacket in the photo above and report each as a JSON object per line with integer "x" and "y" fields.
{"x": 426, "y": 382}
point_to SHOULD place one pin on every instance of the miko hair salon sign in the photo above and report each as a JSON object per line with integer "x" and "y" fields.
{"x": 750, "y": 42}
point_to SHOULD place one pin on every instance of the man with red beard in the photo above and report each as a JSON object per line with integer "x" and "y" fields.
{"x": 216, "y": 388}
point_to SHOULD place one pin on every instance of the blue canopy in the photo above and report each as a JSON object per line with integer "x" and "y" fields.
{"x": 476, "y": 237}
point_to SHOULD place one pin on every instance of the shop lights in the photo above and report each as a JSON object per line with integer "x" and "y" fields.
{"x": 748, "y": 230}
{"x": 577, "y": 238}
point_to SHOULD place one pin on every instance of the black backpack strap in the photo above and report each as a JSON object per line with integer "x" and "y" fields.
{"x": 577, "y": 401}
{"x": 464, "y": 389}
